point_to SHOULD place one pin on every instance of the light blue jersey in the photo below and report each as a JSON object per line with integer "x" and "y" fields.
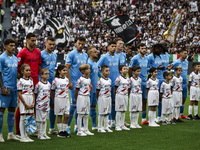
{"x": 184, "y": 66}
{"x": 142, "y": 62}
{"x": 94, "y": 70}
{"x": 49, "y": 61}
{"x": 155, "y": 62}
{"x": 75, "y": 59}
{"x": 113, "y": 62}
{"x": 122, "y": 57}
{"x": 8, "y": 67}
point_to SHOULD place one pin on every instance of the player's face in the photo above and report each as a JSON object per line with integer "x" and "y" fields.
{"x": 31, "y": 42}
{"x": 45, "y": 75}
{"x": 50, "y": 45}
{"x": 27, "y": 72}
{"x": 124, "y": 71}
{"x": 155, "y": 73}
{"x": 10, "y": 48}
{"x": 179, "y": 72}
{"x": 142, "y": 50}
{"x": 80, "y": 45}
{"x": 120, "y": 45}
{"x": 137, "y": 72}
{"x": 197, "y": 67}
{"x": 63, "y": 72}
{"x": 183, "y": 54}
{"x": 158, "y": 51}
{"x": 112, "y": 48}
{"x": 106, "y": 72}
{"x": 94, "y": 53}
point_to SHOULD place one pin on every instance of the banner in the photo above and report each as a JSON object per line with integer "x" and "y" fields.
{"x": 124, "y": 27}
{"x": 60, "y": 31}
{"x": 172, "y": 31}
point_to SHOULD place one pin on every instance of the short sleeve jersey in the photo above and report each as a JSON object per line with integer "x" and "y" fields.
{"x": 194, "y": 79}
{"x": 61, "y": 87}
{"x": 83, "y": 84}
{"x": 122, "y": 57}
{"x": 8, "y": 67}
{"x": 43, "y": 95}
{"x": 176, "y": 83}
{"x": 165, "y": 90}
{"x": 122, "y": 85}
{"x": 135, "y": 85}
{"x": 152, "y": 84}
{"x": 104, "y": 85}
{"x": 25, "y": 85}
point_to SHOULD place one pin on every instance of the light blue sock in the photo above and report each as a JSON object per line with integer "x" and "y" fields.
{"x": 159, "y": 108}
{"x": 71, "y": 113}
{"x": 144, "y": 113}
{"x": 10, "y": 121}
{"x": 52, "y": 118}
{"x": 1, "y": 121}
{"x": 93, "y": 116}
{"x": 182, "y": 109}
{"x": 113, "y": 112}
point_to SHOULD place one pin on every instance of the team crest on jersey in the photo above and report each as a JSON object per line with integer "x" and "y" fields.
{"x": 19, "y": 59}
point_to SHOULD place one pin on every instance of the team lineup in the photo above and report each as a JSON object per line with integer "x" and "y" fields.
{"x": 83, "y": 82}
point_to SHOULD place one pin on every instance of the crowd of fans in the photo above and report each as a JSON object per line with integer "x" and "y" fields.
{"x": 85, "y": 18}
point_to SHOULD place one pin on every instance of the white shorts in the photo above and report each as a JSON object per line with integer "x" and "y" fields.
{"x": 29, "y": 101}
{"x": 135, "y": 102}
{"x": 177, "y": 99}
{"x": 104, "y": 105}
{"x": 41, "y": 116}
{"x": 166, "y": 106}
{"x": 61, "y": 106}
{"x": 194, "y": 93}
{"x": 153, "y": 98}
{"x": 121, "y": 102}
{"x": 83, "y": 104}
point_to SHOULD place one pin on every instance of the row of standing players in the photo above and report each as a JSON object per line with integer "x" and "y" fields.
{"x": 113, "y": 59}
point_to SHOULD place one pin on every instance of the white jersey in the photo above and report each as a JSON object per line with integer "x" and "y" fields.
{"x": 194, "y": 79}
{"x": 43, "y": 95}
{"x": 122, "y": 84}
{"x": 61, "y": 87}
{"x": 165, "y": 90}
{"x": 135, "y": 85}
{"x": 25, "y": 85}
{"x": 104, "y": 85}
{"x": 83, "y": 84}
{"x": 152, "y": 84}
{"x": 176, "y": 83}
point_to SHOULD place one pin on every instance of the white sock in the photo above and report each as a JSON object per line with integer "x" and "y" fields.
{"x": 44, "y": 127}
{"x": 122, "y": 118}
{"x": 163, "y": 117}
{"x": 59, "y": 125}
{"x": 106, "y": 121}
{"x": 133, "y": 117}
{"x": 195, "y": 110}
{"x": 118, "y": 116}
{"x": 21, "y": 127}
{"x": 100, "y": 123}
{"x": 174, "y": 112}
{"x": 169, "y": 117}
{"x": 150, "y": 116}
{"x": 39, "y": 128}
{"x": 64, "y": 127}
{"x": 177, "y": 111}
{"x": 154, "y": 116}
{"x": 190, "y": 110}
{"x": 79, "y": 122}
{"x": 137, "y": 117}
{"x": 85, "y": 122}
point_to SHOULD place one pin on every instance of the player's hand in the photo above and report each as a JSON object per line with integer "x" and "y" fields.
{"x": 71, "y": 86}
{"x": 4, "y": 91}
{"x": 91, "y": 87}
{"x": 169, "y": 67}
{"x": 160, "y": 67}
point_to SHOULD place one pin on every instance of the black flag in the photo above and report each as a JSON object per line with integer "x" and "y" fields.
{"x": 124, "y": 27}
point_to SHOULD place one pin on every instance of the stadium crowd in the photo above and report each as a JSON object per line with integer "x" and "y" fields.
{"x": 85, "y": 18}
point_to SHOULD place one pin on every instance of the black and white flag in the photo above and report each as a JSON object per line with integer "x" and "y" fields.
{"x": 60, "y": 31}
{"x": 124, "y": 27}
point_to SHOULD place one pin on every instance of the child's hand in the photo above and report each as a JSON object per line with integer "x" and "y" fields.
{"x": 27, "y": 106}
{"x": 91, "y": 87}
{"x": 71, "y": 86}
{"x": 32, "y": 106}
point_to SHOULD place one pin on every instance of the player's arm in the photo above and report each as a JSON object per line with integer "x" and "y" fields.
{"x": 22, "y": 100}
{"x": 115, "y": 89}
{"x": 147, "y": 91}
{"x": 33, "y": 104}
{"x": 53, "y": 95}
{"x": 97, "y": 93}
{"x": 76, "y": 94}
{"x": 129, "y": 71}
{"x": 68, "y": 76}
{"x": 131, "y": 64}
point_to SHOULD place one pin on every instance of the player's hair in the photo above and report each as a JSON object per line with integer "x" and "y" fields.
{"x": 8, "y": 41}
{"x": 60, "y": 67}
{"x": 177, "y": 68}
{"x": 141, "y": 45}
{"x": 104, "y": 67}
{"x": 111, "y": 42}
{"x": 156, "y": 46}
{"x": 195, "y": 64}
{"x": 42, "y": 70}
{"x": 121, "y": 66}
{"x": 89, "y": 50}
{"x": 117, "y": 39}
{"x": 135, "y": 67}
{"x": 151, "y": 71}
{"x": 182, "y": 50}
{"x": 83, "y": 67}
{"x": 166, "y": 73}
{"x": 164, "y": 44}
{"x": 81, "y": 38}
{"x": 22, "y": 69}
{"x": 30, "y": 35}
{"x": 50, "y": 38}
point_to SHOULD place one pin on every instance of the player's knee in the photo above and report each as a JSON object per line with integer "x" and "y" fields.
{"x": 93, "y": 106}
